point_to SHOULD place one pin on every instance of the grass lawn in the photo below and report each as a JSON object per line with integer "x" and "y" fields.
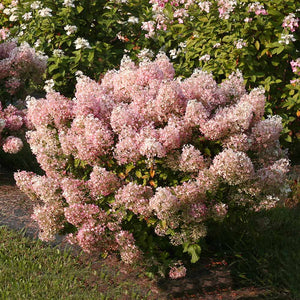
{"x": 33, "y": 270}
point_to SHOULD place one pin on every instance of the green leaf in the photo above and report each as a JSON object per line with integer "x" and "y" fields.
{"x": 53, "y": 67}
{"x": 193, "y": 250}
{"x": 91, "y": 56}
{"x": 138, "y": 174}
{"x": 129, "y": 168}
{"x": 288, "y": 139}
{"x": 79, "y": 9}
{"x": 257, "y": 45}
{"x": 77, "y": 58}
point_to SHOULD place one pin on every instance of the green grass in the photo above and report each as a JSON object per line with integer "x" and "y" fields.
{"x": 33, "y": 270}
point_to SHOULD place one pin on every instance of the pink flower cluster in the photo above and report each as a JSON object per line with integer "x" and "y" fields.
{"x": 145, "y": 143}
{"x": 161, "y": 20}
{"x": 18, "y": 64}
{"x": 178, "y": 270}
{"x": 290, "y": 22}
{"x": 257, "y": 8}
{"x": 4, "y": 34}
{"x": 12, "y": 122}
{"x": 226, "y": 7}
{"x": 296, "y": 66}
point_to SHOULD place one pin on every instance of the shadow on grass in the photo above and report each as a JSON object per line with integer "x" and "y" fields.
{"x": 262, "y": 251}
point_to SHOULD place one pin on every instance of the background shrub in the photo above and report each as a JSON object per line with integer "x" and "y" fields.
{"x": 75, "y": 35}
{"x": 258, "y": 38}
{"x": 20, "y": 66}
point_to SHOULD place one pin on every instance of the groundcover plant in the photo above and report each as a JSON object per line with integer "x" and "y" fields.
{"x": 140, "y": 163}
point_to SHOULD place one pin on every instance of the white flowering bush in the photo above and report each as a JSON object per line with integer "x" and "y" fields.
{"x": 75, "y": 35}
{"x": 143, "y": 161}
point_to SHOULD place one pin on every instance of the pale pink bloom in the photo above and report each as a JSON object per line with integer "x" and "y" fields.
{"x": 291, "y": 22}
{"x": 238, "y": 142}
{"x": 207, "y": 181}
{"x": 268, "y": 203}
{"x": 4, "y": 33}
{"x": 196, "y": 114}
{"x": 228, "y": 120}
{"x": 151, "y": 147}
{"x": 90, "y": 98}
{"x": 234, "y": 167}
{"x": 149, "y": 74}
{"x": 205, "y": 6}
{"x": 164, "y": 203}
{"x": 173, "y": 135}
{"x": 37, "y": 112}
{"x": 134, "y": 197}
{"x": 257, "y": 8}
{"x": 198, "y": 211}
{"x": 188, "y": 192}
{"x": 24, "y": 182}
{"x": 226, "y": 7}
{"x": 272, "y": 176}
{"x": 50, "y": 220}
{"x": 2, "y": 124}
{"x": 202, "y": 87}
{"x": 12, "y": 85}
{"x": 14, "y": 118}
{"x": 47, "y": 189}
{"x": 295, "y": 64}
{"x": 124, "y": 116}
{"x": 257, "y": 99}
{"x": 149, "y": 27}
{"x": 165, "y": 66}
{"x": 126, "y": 149}
{"x": 87, "y": 139}
{"x": 178, "y": 270}
{"x": 59, "y": 108}
{"x": 78, "y": 214}
{"x": 91, "y": 237}
{"x": 233, "y": 87}
{"x": 220, "y": 210}
{"x": 266, "y": 132}
{"x": 102, "y": 182}
{"x": 128, "y": 250}
{"x": 191, "y": 159}
{"x": 12, "y": 145}
{"x": 74, "y": 190}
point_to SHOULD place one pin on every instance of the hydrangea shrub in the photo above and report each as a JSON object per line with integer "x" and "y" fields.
{"x": 140, "y": 163}
{"x": 18, "y": 66}
{"x": 12, "y": 126}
